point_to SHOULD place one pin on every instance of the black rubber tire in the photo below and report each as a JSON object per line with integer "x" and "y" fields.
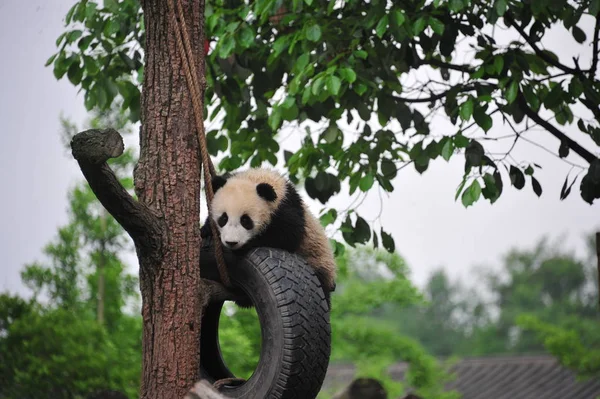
{"x": 294, "y": 318}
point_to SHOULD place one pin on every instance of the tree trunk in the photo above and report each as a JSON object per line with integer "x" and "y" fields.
{"x": 167, "y": 180}
{"x": 165, "y": 222}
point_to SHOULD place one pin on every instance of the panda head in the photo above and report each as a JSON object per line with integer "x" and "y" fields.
{"x": 242, "y": 208}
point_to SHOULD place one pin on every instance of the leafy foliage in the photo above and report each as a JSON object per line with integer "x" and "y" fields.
{"x": 575, "y": 342}
{"x": 75, "y": 336}
{"x": 63, "y": 354}
{"x": 328, "y": 65}
{"x": 371, "y": 280}
{"x": 543, "y": 299}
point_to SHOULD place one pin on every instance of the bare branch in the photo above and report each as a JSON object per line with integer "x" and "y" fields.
{"x": 435, "y": 97}
{"x": 441, "y": 64}
{"x": 572, "y": 144}
{"x": 91, "y": 149}
{"x": 595, "y": 49}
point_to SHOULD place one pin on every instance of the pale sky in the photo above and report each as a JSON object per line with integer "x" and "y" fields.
{"x": 429, "y": 227}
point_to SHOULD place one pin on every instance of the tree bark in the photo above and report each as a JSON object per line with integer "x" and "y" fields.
{"x": 167, "y": 180}
{"x": 165, "y": 223}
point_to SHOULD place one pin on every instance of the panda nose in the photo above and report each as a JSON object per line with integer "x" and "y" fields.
{"x": 231, "y": 243}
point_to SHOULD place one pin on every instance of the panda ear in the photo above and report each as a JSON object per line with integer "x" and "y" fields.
{"x": 266, "y": 191}
{"x": 218, "y": 182}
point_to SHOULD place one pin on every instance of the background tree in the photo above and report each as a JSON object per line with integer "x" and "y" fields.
{"x": 71, "y": 338}
{"x": 541, "y": 300}
{"x": 369, "y": 81}
{"x": 369, "y": 281}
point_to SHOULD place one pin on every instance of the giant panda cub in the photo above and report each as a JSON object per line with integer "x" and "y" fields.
{"x": 259, "y": 207}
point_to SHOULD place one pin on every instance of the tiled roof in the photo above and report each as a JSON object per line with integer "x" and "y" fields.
{"x": 502, "y": 377}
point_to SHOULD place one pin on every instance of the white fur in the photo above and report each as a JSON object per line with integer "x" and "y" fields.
{"x": 233, "y": 231}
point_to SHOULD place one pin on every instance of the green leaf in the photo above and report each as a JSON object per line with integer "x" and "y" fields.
{"x": 418, "y": 26}
{"x": 111, "y": 27}
{"x": 471, "y": 194}
{"x": 466, "y": 110}
{"x": 398, "y": 16}
{"x": 532, "y": 99}
{"x": 436, "y": 25}
{"x": 500, "y": 7}
{"x": 361, "y": 54}
{"x": 328, "y": 217}
{"x": 333, "y": 85}
{"x": 460, "y": 141}
{"x": 594, "y": 7}
{"x": 474, "y": 153}
{"x": 460, "y": 187}
{"x": 512, "y": 91}
{"x": 84, "y": 42}
{"x": 302, "y": 62}
{"x": 537, "y": 188}
{"x": 578, "y": 34}
{"x": 456, "y": 5}
{"x": 51, "y": 59}
{"x": 362, "y": 231}
{"x": 73, "y": 35}
{"x": 317, "y": 85}
{"x": 90, "y": 10}
{"x": 275, "y": 119}
{"x": 313, "y": 33}
{"x": 246, "y": 37}
{"x": 563, "y": 150}
{"x": 490, "y": 191}
{"x": 499, "y": 63}
{"x": 348, "y": 74}
{"x": 387, "y": 241}
{"x": 331, "y": 134}
{"x": 366, "y": 182}
{"x": 482, "y": 119}
{"x": 388, "y": 168}
{"x": 226, "y": 46}
{"x": 447, "y": 150}
{"x": 223, "y": 143}
{"x": 75, "y": 73}
{"x": 517, "y": 178}
{"x": 381, "y": 27}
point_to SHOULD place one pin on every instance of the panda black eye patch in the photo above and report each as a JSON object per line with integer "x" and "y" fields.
{"x": 246, "y": 222}
{"x": 222, "y": 221}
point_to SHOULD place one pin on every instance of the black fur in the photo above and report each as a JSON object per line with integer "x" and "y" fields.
{"x": 217, "y": 183}
{"x": 266, "y": 191}
{"x": 287, "y": 227}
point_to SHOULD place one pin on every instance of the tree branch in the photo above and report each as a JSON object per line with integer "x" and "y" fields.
{"x": 572, "y": 144}
{"x": 435, "y": 97}
{"x": 442, "y": 64}
{"x": 91, "y": 149}
{"x": 509, "y": 18}
{"x": 595, "y": 49}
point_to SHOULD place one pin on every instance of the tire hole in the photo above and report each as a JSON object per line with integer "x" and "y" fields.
{"x": 239, "y": 340}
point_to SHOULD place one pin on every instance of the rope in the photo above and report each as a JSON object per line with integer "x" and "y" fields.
{"x": 185, "y": 50}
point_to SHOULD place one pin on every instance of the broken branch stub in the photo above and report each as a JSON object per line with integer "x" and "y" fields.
{"x": 92, "y": 148}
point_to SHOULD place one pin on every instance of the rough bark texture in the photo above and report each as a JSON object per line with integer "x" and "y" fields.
{"x": 167, "y": 181}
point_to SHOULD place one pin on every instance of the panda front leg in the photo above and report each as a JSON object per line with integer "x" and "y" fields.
{"x": 206, "y": 231}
